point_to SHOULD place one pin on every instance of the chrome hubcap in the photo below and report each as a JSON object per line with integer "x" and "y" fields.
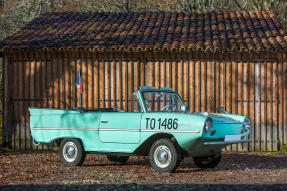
{"x": 162, "y": 156}
{"x": 70, "y": 151}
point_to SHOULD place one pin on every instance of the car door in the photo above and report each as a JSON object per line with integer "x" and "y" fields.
{"x": 120, "y": 127}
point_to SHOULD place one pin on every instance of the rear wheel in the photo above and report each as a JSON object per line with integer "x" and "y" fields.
{"x": 120, "y": 159}
{"x": 72, "y": 152}
{"x": 164, "y": 156}
{"x": 208, "y": 161}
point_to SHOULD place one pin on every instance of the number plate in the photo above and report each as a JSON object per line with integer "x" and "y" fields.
{"x": 232, "y": 137}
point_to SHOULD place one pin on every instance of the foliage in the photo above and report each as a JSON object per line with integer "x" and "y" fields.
{"x": 14, "y": 14}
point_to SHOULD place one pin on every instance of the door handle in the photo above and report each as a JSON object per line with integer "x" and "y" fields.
{"x": 104, "y": 121}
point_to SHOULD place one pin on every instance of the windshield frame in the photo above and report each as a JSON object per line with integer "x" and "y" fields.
{"x": 140, "y": 94}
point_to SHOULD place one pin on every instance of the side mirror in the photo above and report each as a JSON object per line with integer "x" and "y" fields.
{"x": 184, "y": 108}
{"x": 221, "y": 109}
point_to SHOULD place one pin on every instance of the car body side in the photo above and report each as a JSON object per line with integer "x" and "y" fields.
{"x": 128, "y": 132}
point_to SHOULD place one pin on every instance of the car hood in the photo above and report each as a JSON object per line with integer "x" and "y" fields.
{"x": 218, "y": 119}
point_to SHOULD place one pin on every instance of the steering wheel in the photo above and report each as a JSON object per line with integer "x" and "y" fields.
{"x": 168, "y": 106}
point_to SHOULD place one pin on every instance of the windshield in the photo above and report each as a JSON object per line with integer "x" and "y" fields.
{"x": 162, "y": 102}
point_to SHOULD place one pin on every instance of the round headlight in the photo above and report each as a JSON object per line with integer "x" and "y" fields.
{"x": 247, "y": 124}
{"x": 207, "y": 125}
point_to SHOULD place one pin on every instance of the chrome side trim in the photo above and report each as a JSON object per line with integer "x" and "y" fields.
{"x": 226, "y": 142}
{"x": 110, "y": 129}
{"x": 57, "y": 128}
{"x": 129, "y": 130}
{"x": 170, "y": 131}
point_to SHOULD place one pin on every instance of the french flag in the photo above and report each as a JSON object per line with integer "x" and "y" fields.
{"x": 79, "y": 81}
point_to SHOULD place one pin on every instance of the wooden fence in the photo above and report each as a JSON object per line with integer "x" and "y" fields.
{"x": 251, "y": 85}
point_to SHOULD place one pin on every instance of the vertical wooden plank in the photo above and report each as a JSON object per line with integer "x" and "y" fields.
{"x": 284, "y": 97}
{"x": 147, "y": 69}
{"x": 191, "y": 75}
{"x": 142, "y": 72}
{"x": 234, "y": 64}
{"x": 63, "y": 82}
{"x": 119, "y": 84}
{"x": 186, "y": 82}
{"x": 252, "y": 106}
{"x": 27, "y": 95}
{"x": 210, "y": 85}
{"x": 174, "y": 74}
{"x": 72, "y": 82}
{"x": 222, "y": 83}
{"x": 42, "y": 84}
{"x": 67, "y": 81}
{"x": 85, "y": 80}
{"x": 197, "y": 86}
{"x": 280, "y": 98}
{"x": 228, "y": 88}
{"x": 113, "y": 84}
{"x": 179, "y": 78}
{"x": 157, "y": 73}
{"x": 56, "y": 69}
{"x": 162, "y": 73}
{"x": 263, "y": 107}
{"x": 269, "y": 107}
{"x": 168, "y": 74}
{"x": 264, "y": 104}
{"x": 61, "y": 77}
{"x": 217, "y": 88}
{"x": 90, "y": 81}
{"x": 137, "y": 77}
{"x": 21, "y": 96}
{"x": 13, "y": 91}
{"x": 48, "y": 80}
{"x": 162, "y": 77}
{"x": 17, "y": 97}
{"x": 257, "y": 105}
{"x": 107, "y": 89}
{"x": 101, "y": 83}
{"x": 202, "y": 85}
{"x": 130, "y": 81}
{"x": 36, "y": 76}
{"x": 246, "y": 91}
{"x": 11, "y": 117}
{"x": 96, "y": 80}
{"x": 274, "y": 104}
{"x": 5, "y": 86}
{"x": 124, "y": 83}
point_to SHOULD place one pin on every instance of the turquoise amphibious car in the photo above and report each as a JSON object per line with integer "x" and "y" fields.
{"x": 159, "y": 126}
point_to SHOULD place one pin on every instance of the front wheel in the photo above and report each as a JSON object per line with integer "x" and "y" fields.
{"x": 72, "y": 152}
{"x": 164, "y": 156}
{"x": 208, "y": 161}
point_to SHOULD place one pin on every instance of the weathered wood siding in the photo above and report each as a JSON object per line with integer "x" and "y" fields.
{"x": 252, "y": 85}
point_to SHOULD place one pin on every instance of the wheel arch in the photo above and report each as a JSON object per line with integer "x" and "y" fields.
{"x": 60, "y": 139}
{"x": 144, "y": 148}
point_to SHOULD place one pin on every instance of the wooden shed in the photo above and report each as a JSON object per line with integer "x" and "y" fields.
{"x": 231, "y": 59}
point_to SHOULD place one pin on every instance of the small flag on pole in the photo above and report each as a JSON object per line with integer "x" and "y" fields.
{"x": 79, "y": 81}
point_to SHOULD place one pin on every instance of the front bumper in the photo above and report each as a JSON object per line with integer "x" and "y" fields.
{"x": 226, "y": 142}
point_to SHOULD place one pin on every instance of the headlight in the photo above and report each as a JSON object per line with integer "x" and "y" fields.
{"x": 246, "y": 124}
{"x": 207, "y": 125}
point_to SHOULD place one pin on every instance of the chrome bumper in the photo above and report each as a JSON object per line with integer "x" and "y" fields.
{"x": 226, "y": 142}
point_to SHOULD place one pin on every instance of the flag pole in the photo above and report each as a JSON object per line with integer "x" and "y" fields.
{"x": 80, "y": 83}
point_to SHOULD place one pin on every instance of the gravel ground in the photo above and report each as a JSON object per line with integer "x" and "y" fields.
{"x": 237, "y": 171}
